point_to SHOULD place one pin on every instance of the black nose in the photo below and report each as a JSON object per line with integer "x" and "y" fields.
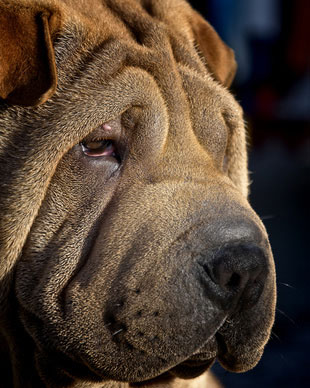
{"x": 235, "y": 274}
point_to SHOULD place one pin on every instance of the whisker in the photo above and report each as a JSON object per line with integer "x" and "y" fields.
{"x": 117, "y": 332}
{"x": 286, "y": 316}
{"x": 268, "y": 217}
{"x": 274, "y": 335}
{"x": 286, "y": 285}
{"x": 284, "y": 358}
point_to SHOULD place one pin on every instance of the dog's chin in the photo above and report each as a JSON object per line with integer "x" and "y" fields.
{"x": 191, "y": 368}
{"x": 197, "y": 363}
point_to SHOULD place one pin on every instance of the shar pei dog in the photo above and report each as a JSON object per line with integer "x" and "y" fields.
{"x": 129, "y": 252}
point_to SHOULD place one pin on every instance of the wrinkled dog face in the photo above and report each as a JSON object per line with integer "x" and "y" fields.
{"x": 127, "y": 191}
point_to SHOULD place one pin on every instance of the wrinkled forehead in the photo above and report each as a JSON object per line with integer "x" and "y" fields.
{"x": 106, "y": 37}
{"x": 89, "y": 26}
{"x": 106, "y": 17}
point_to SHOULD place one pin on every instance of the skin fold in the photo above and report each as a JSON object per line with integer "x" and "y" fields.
{"x": 130, "y": 255}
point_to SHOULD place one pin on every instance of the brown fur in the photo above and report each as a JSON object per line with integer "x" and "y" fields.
{"x": 99, "y": 274}
{"x": 28, "y": 73}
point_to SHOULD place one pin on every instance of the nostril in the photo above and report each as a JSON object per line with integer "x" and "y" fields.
{"x": 234, "y": 281}
{"x": 223, "y": 274}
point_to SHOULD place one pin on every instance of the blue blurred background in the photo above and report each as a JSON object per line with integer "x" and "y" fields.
{"x": 271, "y": 39}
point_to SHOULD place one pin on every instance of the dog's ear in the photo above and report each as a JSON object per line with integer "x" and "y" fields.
{"x": 220, "y": 58}
{"x": 28, "y": 74}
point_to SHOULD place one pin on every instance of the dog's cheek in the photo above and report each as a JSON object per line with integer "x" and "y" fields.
{"x": 64, "y": 229}
{"x": 80, "y": 187}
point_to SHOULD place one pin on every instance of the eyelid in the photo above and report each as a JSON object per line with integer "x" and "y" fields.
{"x": 89, "y": 144}
{"x": 96, "y": 139}
{"x": 100, "y": 134}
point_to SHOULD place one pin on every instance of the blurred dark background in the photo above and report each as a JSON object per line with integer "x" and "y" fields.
{"x": 271, "y": 39}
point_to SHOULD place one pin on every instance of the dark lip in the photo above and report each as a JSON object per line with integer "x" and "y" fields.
{"x": 190, "y": 369}
{"x": 198, "y": 363}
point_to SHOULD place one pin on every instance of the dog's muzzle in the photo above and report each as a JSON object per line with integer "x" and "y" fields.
{"x": 157, "y": 295}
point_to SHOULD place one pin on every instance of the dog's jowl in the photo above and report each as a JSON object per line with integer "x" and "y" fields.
{"x": 129, "y": 252}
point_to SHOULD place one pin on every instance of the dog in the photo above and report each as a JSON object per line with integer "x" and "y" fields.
{"x": 130, "y": 255}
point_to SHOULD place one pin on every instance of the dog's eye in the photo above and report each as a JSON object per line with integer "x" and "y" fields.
{"x": 99, "y": 148}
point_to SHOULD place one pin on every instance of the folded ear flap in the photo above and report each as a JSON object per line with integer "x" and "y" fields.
{"x": 220, "y": 59}
{"x": 28, "y": 74}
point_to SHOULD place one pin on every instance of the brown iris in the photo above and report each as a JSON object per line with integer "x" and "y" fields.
{"x": 98, "y": 148}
